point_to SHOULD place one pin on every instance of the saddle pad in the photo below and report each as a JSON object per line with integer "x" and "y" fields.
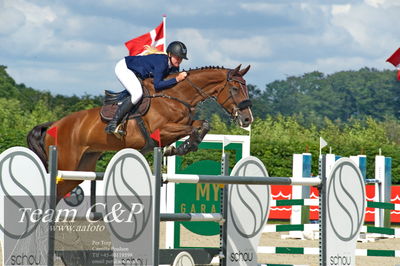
{"x": 108, "y": 110}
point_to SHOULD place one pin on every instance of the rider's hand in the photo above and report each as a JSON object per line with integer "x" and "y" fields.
{"x": 181, "y": 76}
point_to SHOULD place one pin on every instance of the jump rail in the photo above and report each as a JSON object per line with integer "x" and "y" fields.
{"x": 247, "y": 180}
{"x": 79, "y": 175}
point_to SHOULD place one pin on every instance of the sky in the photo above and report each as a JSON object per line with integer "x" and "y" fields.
{"x": 71, "y": 47}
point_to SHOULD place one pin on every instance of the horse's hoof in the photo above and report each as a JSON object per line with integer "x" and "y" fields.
{"x": 110, "y": 129}
{"x": 169, "y": 151}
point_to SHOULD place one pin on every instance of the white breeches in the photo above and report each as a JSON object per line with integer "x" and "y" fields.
{"x": 129, "y": 80}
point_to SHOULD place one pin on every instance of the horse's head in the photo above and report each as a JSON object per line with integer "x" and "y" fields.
{"x": 234, "y": 97}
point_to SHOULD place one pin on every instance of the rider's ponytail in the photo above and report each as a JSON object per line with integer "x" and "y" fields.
{"x": 152, "y": 50}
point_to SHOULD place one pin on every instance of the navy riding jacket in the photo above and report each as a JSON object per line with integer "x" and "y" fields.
{"x": 155, "y": 66}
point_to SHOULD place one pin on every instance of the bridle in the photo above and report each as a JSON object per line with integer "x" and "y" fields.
{"x": 238, "y": 105}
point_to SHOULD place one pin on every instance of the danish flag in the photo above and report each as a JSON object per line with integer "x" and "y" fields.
{"x": 394, "y": 59}
{"x": 155, "y": 38}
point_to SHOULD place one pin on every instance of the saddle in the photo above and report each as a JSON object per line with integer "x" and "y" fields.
{"x": 110, "y": 106}
{"x": 111, "y": 100}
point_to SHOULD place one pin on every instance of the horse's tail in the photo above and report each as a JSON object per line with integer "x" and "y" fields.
{"x": 35, "y": 141}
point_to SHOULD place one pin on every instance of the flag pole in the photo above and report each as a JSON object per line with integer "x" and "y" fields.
{"x": 223, "y": 146}
{"x": 250, "y": 138}
{"x": 165, "y": 50}
{"x": 165, "y": 32}
{"x": 322, "y": 144}
{"x": 249, "y": 130}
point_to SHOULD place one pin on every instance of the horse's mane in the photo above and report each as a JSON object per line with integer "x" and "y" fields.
{"x": 204, "y": 68}
{"x": 192, "y": 70}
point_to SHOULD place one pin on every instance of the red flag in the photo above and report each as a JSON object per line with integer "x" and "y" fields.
{"x": 154, "y": 38}
{"x": 394, "y": 59}
{"x": 53, "y": 132}
{"x": 156, "y": 136}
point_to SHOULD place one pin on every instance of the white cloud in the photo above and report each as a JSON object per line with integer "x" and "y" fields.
{"x": 10, "y": 15}
{"x": 374, "y": 3}
{"x": 271, "y": 8}
{"x": 338, "y": 63}
{"x": 204, "y": 51}
{"x": 115, "y": 52}
{"x": 340, "y": 9}
{"x": 382, "y": 3}
{"x": 34, "y": 14}
{"x": 254, "y": 47}
{"x": 181, "y": 10}
{"x": 372, "y": 29}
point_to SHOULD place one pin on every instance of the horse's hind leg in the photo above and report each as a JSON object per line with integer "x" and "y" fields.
{"x": 87, "y": 162}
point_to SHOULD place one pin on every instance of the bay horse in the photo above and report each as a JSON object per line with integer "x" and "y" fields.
{"x": 82, "y": 139}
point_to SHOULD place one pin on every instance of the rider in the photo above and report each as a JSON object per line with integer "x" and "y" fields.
{"x": 132, "y": 68}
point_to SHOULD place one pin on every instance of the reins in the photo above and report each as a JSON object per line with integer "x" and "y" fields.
{"x": 199, "y": 90}
{"x": 241, "y": 105}
{"x": 189, "y": 106}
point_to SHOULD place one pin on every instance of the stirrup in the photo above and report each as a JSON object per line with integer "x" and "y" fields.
{"x": 119, "y": 132}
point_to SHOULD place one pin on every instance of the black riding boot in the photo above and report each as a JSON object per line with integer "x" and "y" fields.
{"x": 123, "y": 108}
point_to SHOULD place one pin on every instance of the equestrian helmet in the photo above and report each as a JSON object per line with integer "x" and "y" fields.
{"x": 177, "y": 48}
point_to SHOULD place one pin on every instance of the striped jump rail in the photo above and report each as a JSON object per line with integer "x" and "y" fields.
{"x": 288, "y": 250}
{"x": 378, "y": 253}
{"x": 315, "y": 251}
{"x": 381, "y": 230}
{"x": 314, "y": 202}
{"x": 272, "y": 228}
{"x": 283, "y": 264}
{"x": 383, "y": 205}
{"x": 295, "y": 202}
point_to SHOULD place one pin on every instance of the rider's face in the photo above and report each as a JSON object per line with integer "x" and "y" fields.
{"x": 175, "y": 60}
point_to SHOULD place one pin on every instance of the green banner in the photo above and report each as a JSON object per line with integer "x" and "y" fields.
{"x": 202, "y": 198}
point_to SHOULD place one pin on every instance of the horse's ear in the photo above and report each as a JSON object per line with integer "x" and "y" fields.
{"x": 236, "y": 70}
{"x": 244, "y": 71}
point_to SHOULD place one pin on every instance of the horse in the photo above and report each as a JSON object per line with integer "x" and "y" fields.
{"x": 82, "y": 139}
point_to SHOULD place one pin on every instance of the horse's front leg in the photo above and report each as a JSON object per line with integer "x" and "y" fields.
{"x": 199, "y": 130}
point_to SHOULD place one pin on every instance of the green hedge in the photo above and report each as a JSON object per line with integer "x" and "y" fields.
{"x": 275, "y": 139}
